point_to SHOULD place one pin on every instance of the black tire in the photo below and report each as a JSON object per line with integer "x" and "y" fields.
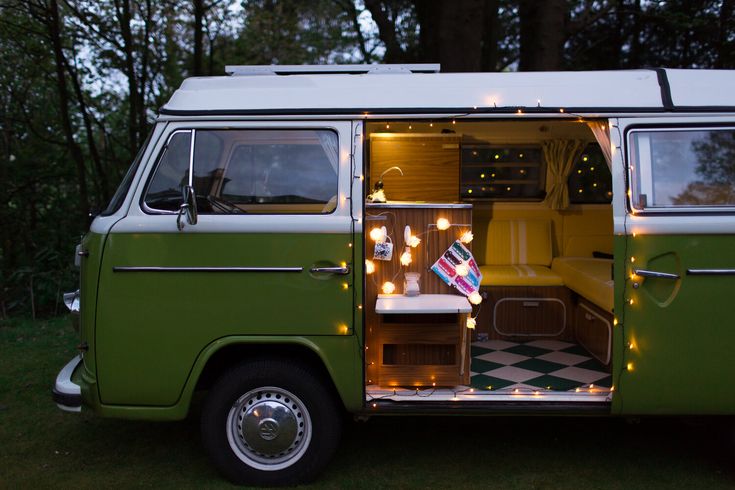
{"x": 247, "y": 447}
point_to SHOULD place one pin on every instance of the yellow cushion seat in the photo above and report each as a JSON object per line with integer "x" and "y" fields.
{"x": 519, "y": 275}
{"x": 588, "y": 277}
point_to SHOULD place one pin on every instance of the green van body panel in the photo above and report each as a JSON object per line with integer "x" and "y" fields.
{"x": 93, "y": 244}
{"x": 153, "y": 328}
{"x": 681, "y": 330}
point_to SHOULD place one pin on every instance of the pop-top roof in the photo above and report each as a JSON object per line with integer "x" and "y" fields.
{"x": 391, "y": 92}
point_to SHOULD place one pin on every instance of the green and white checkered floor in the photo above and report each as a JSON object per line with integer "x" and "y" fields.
{"x": 538, "y": 364}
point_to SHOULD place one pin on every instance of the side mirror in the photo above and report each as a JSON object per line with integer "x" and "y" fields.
{"x": 188, "y": 207}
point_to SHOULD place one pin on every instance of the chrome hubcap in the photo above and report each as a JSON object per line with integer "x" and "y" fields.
{"x": 269, "y": 428}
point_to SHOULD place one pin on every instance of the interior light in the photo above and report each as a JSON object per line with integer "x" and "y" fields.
{"x": 475, "y": 298}
{"x": 406, "y": 258}
{"x": 466, "y": 237}
{"x": 377, "y": 235}
{"x": 388, "y": 287}
{"x": 414, "y": 241}
{"x": 443, "y": 224}
{"x": 369, "y": 267}
{"x": 471, "y": 323}
{"x": 629, "y": 366}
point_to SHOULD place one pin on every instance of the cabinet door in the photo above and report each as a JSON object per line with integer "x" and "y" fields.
{"x": 430, "y": 166}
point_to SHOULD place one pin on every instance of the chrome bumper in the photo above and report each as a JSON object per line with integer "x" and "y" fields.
{"x": 66, "y": 393}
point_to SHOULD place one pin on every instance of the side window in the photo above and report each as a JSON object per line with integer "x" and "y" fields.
{"x": 266, "y": 171}
{"x": 590, "y": 181}
{"x": 172, "y": 172}
{"x": 682, "y": 168}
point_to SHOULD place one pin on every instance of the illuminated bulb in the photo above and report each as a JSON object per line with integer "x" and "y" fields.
{"x": 592, "y": 169}
{"x": 615, "y": 321}
{"x": 475, "y": 298}
{"x": 561, "y": 110}
{"x": 410, "y": 127}
{"x": 431, "y": 125}
{"x": 376, "y": 234}
{"x": 414, "y": 241}
{"x": 349, "y": 244}
{"x": 632, "y": 259}
{"x": 520, "y": 112}
{"x": 482, "y": 176}
{"x": 497, "y": 156}
{"x": 576, "y": 390}
{"x": 630, "y": 301}
{"x": 463, "y": 269}
{"x": 585, "y": 158}
{"x": 369, "y": 267}
{"x": 388, "y": 287}
{"x": 516, "y": 390}
{"x": 443, "y": 224}
{"x": 345, "y": 285}
{"x": 471, "y": 323}
{"x": 466, "y": 237}
{"x": 406, "y": 258}
{"x": 387, "y": 126}
{"x": 344, "y": 329}
{"x": 454, "y": 122}
{"x": 469, "y": 191}
{"x": 629, "y": 366}
{"x": 362, "y": 177}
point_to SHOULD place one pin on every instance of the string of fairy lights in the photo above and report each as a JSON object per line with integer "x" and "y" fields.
{"x": 411, "y": 241}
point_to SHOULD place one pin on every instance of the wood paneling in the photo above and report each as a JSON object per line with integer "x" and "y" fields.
{"x": 430, "y": 165}
{"x": 433, "y": 244}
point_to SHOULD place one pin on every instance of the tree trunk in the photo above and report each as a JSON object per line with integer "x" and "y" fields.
{"x": 490, "y": 36}
{"x": 199, "y": 11}
{"x": 386, "y": 31}
{"x": 542, "y": 34}
{"x": 54, "y": 30}
{"x": 123, "y": 17}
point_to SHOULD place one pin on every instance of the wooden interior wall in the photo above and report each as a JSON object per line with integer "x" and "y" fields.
{"x": 430, "y": 165}
{"x": 432, "y": 245}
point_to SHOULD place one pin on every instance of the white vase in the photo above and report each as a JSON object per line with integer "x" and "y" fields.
{"x": 411, "y": 284}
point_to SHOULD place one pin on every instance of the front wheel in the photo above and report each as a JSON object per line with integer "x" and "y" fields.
{"x": 270, "y": 422}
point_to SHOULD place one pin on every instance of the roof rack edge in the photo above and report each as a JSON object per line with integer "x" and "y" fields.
{"x": 255, "y": 70}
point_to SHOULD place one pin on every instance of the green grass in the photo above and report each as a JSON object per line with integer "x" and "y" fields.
{"x": 42, "y": 447}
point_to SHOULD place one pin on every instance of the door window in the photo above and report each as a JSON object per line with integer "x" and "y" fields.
{"x": 241, "y": 171}
{"x": 675, "y": 169}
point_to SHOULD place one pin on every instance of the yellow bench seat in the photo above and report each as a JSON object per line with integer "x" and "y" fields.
{"x": 519, "y": 275}
{"x": 588, "y": 277}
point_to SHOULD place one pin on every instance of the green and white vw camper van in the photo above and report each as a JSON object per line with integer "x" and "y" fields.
{"x": 302, "y": 242}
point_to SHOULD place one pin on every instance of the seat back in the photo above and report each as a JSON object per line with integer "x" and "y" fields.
{"x": 517, "y": 242}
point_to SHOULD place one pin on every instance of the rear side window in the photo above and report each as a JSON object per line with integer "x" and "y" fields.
{"x": 673, "y": 169}
{"x": 252, "y": 171}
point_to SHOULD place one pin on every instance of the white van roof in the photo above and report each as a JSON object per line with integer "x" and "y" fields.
{"x": 310, "y": 91}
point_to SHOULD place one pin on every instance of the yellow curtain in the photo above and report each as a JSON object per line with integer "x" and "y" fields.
{"x": 560, "y": 156}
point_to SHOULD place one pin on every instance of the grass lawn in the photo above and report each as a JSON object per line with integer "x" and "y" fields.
{"x": 42, "y": 447}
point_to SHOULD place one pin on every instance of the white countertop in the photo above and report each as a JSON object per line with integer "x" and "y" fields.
{"x": 422, "y": 304}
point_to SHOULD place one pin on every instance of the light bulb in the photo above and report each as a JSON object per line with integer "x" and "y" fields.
{"x": 388, "y": 287}
{"x": 377, "y": 234}
{"x": 466, "y": 237}
{"x": 475, "y": 298}
{"x": 406, "y": 258}
{"x": 369, "y": 267}
{"x": 471, "y": 323}
{"x": 443, "y": 224}
{"x": 414, "y": 241}
{"x": 462, "y": 269}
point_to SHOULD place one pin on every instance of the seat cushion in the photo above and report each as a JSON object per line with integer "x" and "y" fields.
{"x": 512, "y": 242}
{"x": 590, "y": 278}
{"x": 519, "y": 275}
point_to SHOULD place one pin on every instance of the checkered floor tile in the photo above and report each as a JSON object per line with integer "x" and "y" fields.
{"x": 546, "y": 364}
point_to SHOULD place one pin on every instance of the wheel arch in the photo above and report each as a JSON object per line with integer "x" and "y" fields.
{"x": 222, "y": 354}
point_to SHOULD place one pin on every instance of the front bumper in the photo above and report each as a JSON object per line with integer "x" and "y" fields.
{"x": 66, "y": 393}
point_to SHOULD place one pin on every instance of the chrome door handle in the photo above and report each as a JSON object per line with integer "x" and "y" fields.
{"x": 342, "y": 271}
{"x": 655, "y": 274}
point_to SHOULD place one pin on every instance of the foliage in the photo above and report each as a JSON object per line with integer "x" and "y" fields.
{"x": 81, "y": 81}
